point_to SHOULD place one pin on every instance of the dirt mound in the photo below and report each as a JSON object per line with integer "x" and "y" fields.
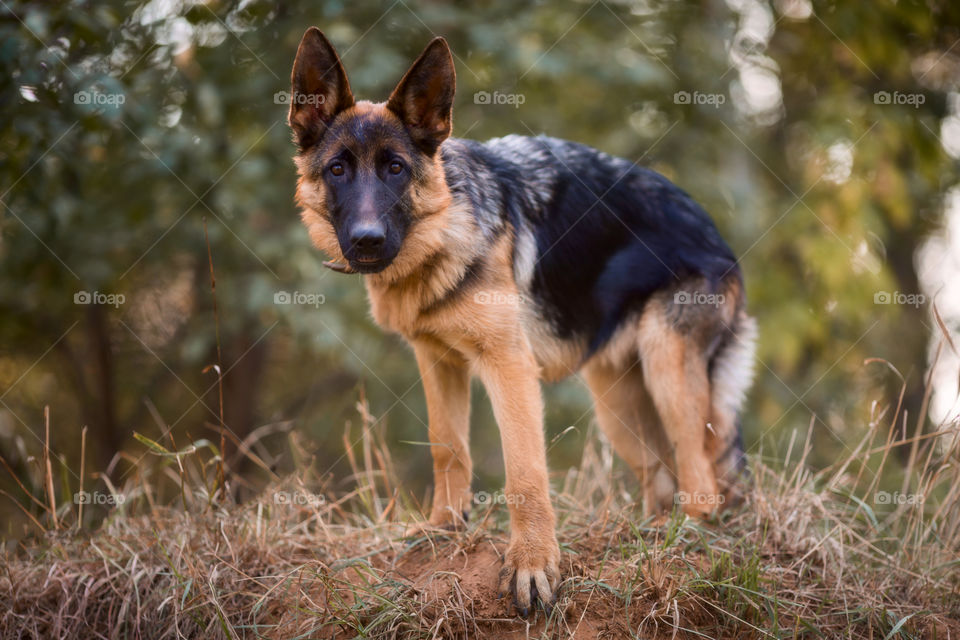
{"x": 232, "y": 575}
{"x": 450, "y": 580}
{"x": 795, "y": 560}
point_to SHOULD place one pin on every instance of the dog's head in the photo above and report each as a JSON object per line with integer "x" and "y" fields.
{"x": 368, "y": 171}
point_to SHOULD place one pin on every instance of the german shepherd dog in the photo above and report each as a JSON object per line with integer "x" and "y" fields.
{"x": 521, "y": 259}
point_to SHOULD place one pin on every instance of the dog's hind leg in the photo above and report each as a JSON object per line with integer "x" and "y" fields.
{"x": 675, "y": 372}
{"x": 627, "y": 417}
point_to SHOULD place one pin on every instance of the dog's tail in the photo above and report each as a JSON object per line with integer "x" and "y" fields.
{"x": 731, "y": 374}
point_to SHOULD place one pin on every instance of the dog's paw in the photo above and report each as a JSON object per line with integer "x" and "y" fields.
{"x": 531, "y": 572}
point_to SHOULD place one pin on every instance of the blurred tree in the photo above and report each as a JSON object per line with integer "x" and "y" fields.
{"x": 126, "y": 125}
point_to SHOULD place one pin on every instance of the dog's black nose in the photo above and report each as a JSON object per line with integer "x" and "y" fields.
{"x": 368, "y": 240}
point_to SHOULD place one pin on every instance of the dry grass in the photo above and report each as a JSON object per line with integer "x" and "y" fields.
{"x": 808, "y": 555}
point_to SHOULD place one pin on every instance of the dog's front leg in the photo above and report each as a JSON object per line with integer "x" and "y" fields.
{"x": 532, "y": 564}
{"x": 446, "y": 384}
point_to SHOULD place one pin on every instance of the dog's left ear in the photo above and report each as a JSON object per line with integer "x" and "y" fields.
{"x": 424, "y": 98}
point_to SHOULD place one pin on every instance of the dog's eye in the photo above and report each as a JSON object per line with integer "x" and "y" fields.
{"x": 336, "y": 169}
{"x": 396, "y": 167}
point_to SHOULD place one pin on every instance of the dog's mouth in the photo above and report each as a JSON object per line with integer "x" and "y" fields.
{"x": 369, "y": 265}
{"x": 359, "y": 265}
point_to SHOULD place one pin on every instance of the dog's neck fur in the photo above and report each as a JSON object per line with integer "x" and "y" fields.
{"x": 438, "y": 250}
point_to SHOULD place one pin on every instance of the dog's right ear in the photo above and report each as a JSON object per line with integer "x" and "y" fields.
{"x": 319, "y": 89}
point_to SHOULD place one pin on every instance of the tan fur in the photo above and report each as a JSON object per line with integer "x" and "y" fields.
{"x": 433, "y": 259}
{"x": 461, "y": 311}
{"x": 488, "y": 337}
{"x": 558, "y": 358}
{"x": 434, "y": 224}
{"x": 666, "y": 420}
{"x": 676, "y": 378}
{"x": 627, "y": 416}
{"x": 446, "y": 384}
{"x": 483, "y": 334}
{"x": 653, "y": 396}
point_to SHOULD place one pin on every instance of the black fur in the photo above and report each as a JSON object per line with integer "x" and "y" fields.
{"x": 608, "y": 234}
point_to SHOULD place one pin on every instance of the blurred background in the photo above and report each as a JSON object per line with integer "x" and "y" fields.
{"x": 823, "y": 137}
